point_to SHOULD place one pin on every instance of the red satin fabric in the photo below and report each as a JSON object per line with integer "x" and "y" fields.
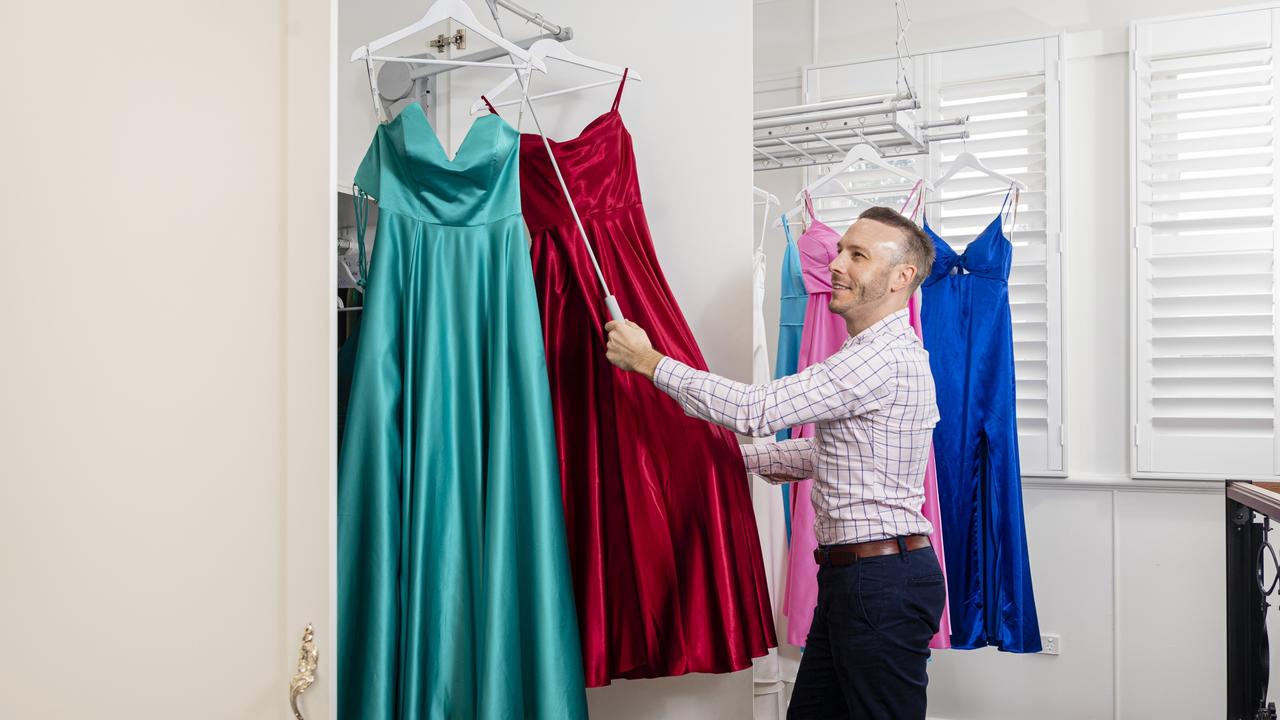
{"x": 667, "y": 567}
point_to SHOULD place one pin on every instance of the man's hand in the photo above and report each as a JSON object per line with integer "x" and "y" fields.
{"x": 630, "y": 349}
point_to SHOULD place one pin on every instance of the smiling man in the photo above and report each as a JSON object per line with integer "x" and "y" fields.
{"x": 880, "y": 589}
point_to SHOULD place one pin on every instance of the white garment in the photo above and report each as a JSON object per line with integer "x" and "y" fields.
{"x": 771, "y": 678}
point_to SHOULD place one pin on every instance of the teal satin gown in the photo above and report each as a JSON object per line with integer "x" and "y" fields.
{"x": 454, "y": 593}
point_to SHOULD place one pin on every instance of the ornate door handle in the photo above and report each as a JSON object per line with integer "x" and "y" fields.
{"x": 308, "y": 658}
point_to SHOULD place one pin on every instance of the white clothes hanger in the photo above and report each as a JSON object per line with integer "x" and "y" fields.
{"x": 842, "y": 191}
{"x": 968, "y": 161}
{"x": 550, "y": 48}
{"x": 769, "y": 200}
{"x": 440, "y": 11}
{"x": 553, "y": 93}
{"x": 766, "y": 196}
{"x": 861, "y": 152}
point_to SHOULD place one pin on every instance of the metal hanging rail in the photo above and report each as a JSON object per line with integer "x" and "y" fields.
{"x": 558, "y": 31}
{"x": 820, "y": 133}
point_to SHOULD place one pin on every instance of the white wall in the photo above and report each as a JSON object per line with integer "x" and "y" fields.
{"x": 691, "y": 135}
{"x": 1129, "y": 574}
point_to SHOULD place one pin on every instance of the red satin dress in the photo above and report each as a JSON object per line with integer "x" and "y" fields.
{"x": 667, "y": 568}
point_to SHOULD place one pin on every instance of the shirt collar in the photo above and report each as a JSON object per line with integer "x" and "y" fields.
{"x": 892, "y": 324}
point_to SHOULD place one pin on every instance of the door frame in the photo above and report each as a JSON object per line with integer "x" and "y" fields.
{"x": 310, "y": 288}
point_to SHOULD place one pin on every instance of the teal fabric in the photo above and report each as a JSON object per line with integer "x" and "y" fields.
{"x": 454, "y": 593}
{"x": 794, "y": 300}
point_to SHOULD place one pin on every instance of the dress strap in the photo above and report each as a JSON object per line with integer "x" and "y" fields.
{"x": 808, "y": 205}
{"x": 1014, "y": 193}
{"x": 1004, "y": 203}
{"x": 489, "y": 105}
{"x": 786, "y": 229}
{"x": 917, "y": 192}
{"x": 361, "y": 202}
{"x": 618, "y": 98}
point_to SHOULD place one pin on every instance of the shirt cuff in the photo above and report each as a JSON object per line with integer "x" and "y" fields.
{"x": 670, "y": 375}
{"x": 755, "y": 456}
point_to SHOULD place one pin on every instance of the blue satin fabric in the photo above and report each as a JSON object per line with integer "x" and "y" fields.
{"x": 794, "y": 300}
{"x": 968, "y": 332}
{"x": 454, "y": 594}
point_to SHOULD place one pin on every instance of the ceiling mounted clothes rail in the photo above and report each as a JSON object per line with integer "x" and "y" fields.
{"x": 847, "y": 113}
{"x": 875, "y": 135}
{"x": 793, "y": 155}
{"x": 821, "y": 133}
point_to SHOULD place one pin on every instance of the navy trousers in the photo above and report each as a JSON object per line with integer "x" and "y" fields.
{"x": 868, "y": 649}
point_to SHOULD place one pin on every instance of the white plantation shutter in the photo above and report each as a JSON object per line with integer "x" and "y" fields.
{"x": 1204, "y": 161}
{"x": 1009, "y": 93}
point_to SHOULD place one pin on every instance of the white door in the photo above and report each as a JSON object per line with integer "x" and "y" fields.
{"x": 165, "y": 411}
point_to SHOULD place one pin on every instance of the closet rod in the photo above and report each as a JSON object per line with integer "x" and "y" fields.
{"x": 559, "y": 31}
{"x": 828, "y": 105}
{"x": 883, "y": 107}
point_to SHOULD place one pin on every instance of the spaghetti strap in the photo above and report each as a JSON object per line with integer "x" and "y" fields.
{"x": 1007, "y": 195}
{"x": 1016, "y": 194}
{"x": 618, "y": 98}
{"x": 489, "y": 105}
{"x": 808, "y": 204}
{"x": 917, "y": 192}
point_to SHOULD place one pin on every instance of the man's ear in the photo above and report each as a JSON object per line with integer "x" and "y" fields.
{"x": 906, "y": 274}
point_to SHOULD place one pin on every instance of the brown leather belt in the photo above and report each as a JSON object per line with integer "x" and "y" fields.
{"x": 838, "y": 555}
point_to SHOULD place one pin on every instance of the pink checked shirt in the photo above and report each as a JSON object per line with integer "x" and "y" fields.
{"x": 873, "y": 408}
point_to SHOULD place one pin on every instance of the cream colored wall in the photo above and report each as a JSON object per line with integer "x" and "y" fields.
{"x": 142, "y": 375}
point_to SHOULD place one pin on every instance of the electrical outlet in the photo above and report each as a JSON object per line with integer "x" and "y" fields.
{"x": 1051, "y": 645}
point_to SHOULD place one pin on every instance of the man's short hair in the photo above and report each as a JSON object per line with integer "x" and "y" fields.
{"x": 917, "y": 248}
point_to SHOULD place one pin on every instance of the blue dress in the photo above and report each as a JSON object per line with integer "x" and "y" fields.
{"x": 968, "y": 332}
{"x": 794, "y": 300}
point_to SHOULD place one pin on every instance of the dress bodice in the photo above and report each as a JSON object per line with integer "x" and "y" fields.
{"x": 409, "y": 173}
{"x": 989, "y": 255}
{"x": 599, "y": 166}
{"x": 818, "y": 246}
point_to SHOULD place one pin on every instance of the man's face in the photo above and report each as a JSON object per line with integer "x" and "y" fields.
{"x": 864, "y": 269}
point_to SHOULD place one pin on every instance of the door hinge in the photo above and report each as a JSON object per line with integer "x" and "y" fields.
{"x": 1062, "y": 436}
{"x": 1136, "y": 438}
{"x": 457, "y": 40}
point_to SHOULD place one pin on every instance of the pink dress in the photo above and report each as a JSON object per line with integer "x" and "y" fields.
{"x": 824, "y": 332}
